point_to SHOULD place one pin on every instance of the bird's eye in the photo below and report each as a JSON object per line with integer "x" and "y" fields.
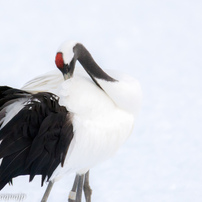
{"x": 59, "y": 60}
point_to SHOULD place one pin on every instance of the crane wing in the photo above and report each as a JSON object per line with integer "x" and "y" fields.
{"x": 36, "y": 139}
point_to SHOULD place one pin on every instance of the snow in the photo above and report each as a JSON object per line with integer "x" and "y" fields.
{"x": 159, "y": 43}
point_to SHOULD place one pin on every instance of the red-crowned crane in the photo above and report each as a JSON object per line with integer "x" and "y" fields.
{"x": 60, "y": 124}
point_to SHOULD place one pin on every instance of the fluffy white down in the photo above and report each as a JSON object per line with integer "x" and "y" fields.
{"x": 102, "y": 120}
{"x": 100, "y": 127}
{"x": 48, "y": 82}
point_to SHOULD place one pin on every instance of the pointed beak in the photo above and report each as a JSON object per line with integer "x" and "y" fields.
{"x": 68, "y": 70}
{"x": 67, "y": 76}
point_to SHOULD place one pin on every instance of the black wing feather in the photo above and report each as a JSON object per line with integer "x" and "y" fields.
{"x": 36, "y": 140}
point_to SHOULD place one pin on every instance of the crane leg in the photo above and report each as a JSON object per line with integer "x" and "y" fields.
{"x": 72, "y": 194}
{"x": 86, "y": 188}
{"x": 80, "y": 182}
{"x": 79, "y": 188}
{"x": 76, "y": 192}
{"x": 47, "y": 192}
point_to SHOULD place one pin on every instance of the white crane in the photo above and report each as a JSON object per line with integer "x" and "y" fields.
{"x": 56, "y": 125}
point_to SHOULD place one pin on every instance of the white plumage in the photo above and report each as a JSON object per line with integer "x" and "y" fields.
{"x": 102, "y": 120}
{"x": 101, "y": 108}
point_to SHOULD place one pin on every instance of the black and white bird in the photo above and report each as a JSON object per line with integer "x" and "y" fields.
{"x": 61, "y": 123}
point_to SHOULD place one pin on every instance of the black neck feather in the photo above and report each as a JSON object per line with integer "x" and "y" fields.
{"x": 91, "y": 67}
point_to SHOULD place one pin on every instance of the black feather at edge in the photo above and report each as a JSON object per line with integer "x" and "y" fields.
{"x": 36, "y": 140}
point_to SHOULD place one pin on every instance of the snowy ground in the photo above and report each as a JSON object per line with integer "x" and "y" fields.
{"x": 160, "y": 43}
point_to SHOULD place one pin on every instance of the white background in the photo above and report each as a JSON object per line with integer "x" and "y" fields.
{"x": 159, "y": 43}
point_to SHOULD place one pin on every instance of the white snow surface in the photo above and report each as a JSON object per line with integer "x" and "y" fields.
{"x": 159, "y": 43}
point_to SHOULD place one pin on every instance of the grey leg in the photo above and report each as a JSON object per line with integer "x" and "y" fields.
{"x": 79, "y": 189}
{"x": 47, "y": 192}
{"x": 72, "y": 194}
{"x": 86, "y": 188}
